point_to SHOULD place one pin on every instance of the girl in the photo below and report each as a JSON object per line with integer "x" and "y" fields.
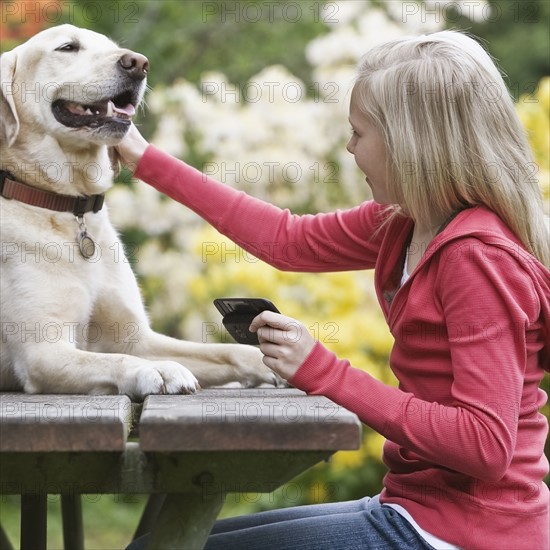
{"x": 457, "y": 236}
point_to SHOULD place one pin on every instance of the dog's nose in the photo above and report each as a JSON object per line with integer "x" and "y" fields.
{"x": 135, "y": 64}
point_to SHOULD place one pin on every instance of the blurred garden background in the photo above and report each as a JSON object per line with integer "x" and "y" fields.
{"x": 256, "y": 94}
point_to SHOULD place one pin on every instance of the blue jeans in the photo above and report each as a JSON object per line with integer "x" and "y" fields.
{"x": 356, "y": 525}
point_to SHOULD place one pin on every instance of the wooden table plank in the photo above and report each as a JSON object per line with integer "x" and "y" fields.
{"x": 196, "y": 448}
{"x": 135, "y": 472}
{"x": 60, "y": 423}
{"x": 248, "y": 419}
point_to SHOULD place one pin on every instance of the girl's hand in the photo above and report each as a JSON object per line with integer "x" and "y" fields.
{"x": 284, "y": 342}
{"x": 132, "y": 147}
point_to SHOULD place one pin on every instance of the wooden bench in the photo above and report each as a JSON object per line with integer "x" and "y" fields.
{"x": 186, "y": 452}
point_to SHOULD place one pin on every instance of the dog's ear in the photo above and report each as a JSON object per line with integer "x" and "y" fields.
{"x": 114, "y": 157}
{"x": 9, "y": 121}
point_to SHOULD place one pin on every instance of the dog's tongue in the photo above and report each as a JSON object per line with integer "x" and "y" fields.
{"x": 129, "y": 110}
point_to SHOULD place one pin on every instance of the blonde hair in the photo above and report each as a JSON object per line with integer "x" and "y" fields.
{"x": 452, "y": 133}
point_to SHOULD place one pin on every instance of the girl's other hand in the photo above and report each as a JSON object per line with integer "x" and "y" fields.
{"x": 284, "y": 342}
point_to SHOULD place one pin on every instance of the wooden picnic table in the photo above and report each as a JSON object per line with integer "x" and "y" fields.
{"x": 186, "y": 452}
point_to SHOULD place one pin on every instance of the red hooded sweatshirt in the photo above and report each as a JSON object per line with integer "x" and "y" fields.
{"x": 465, "y": 438}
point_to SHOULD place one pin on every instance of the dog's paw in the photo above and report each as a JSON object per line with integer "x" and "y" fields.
{"x": 272, "y": 379}
{"x": 250, "y": 369}
{"x": 162, "y": 377}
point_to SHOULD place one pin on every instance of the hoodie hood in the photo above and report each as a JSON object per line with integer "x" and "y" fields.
{"x": 487, "y": 227}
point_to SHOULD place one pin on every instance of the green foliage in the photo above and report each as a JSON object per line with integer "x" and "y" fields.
{"x": 109, "y": 520}
{"x": 516, "y": 33}
{"x": 186, "y": 38}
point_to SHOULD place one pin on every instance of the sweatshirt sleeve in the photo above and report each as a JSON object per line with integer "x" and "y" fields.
{"x": 336, "y": 241}
{"x": 376, "y": 403}
{"x": 474, "y": 430}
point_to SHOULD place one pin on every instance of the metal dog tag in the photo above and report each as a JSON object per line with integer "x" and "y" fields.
{"x": 86, "y": 244}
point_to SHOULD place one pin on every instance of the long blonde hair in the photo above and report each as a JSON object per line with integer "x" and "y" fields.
{"x": 452, "y": 133}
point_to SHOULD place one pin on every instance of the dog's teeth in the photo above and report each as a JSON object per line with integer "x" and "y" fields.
{"x": 110, "y": 109}
{"x": 88, "y": 111}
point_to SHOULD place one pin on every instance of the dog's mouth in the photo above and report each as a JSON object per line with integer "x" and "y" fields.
{"x": 118, "y": 110}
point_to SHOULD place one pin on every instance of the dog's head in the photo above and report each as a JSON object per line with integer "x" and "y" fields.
{"x": 72, "y": 84}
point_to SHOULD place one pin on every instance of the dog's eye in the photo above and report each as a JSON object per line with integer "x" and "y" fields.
{"x": 70, "y": 47}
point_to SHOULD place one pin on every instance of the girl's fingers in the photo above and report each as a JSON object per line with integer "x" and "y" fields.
{"x": 270, "y": 318}
{"x": 269, "y": 350}
{"x": 290, "y": 335}
{"x": 274, "y": 327}
{"x": 284, "y": 342}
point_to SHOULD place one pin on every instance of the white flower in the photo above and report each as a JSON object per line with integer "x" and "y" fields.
{"x": 275, "y": 137}
{"x": 169, "y": 135}
{"x": 344, "y": 12}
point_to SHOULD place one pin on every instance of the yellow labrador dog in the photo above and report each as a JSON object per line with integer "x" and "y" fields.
{"x": 72, "y": 315}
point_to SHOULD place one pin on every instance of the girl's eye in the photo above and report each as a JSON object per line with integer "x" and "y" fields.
{"x": 354, "y": 133}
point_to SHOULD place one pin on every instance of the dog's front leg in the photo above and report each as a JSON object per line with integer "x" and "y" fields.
{"x": 62, "y": 368}
{"x": 123, "y": 327}
{"x": 212, "y": 364}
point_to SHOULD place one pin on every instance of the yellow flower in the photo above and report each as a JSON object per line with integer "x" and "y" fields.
{"x": 338, "y": 309}
{"x": 534, "y": 113}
